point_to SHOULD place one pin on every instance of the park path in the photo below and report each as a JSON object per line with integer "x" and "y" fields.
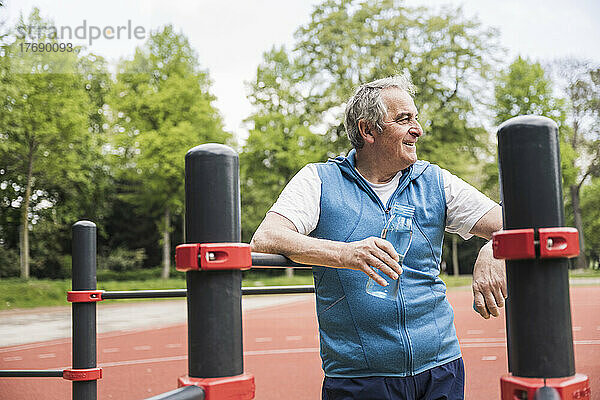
{"x": 281, "y": 350}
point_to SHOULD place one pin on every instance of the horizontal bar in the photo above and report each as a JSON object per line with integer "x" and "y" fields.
{"x": 278, "y": 289}
{"x": 275, "y": 260}
{"x": 184, "y": 393}
{"x": 149, "y": 294}
{"x": 31, "y": 373}
{"x": 144, "y": 294}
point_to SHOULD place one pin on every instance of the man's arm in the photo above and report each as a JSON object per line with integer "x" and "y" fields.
{"x": 489, "y": 278}
{"x": 278, "y": 235}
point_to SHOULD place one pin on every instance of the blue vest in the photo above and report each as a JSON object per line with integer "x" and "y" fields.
{"x": 362, "y": 335}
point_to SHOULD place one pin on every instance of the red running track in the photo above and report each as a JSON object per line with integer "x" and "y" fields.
{"x": 281, "y": 350}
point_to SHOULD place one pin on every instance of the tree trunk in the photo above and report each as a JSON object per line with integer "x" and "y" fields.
{"x": 455, "y": 268}
{"x": 581, "y": 261}
{"x": 166, "y": 245}
{"x": 24, "y": 237}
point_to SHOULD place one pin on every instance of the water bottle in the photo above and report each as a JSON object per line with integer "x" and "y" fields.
{"x": 397, "y": 231}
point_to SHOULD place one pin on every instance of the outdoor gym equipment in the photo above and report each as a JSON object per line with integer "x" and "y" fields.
{"x": 534, "y": 243}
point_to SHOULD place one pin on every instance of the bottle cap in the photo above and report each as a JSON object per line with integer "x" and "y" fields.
{"x": 405, "y": 210}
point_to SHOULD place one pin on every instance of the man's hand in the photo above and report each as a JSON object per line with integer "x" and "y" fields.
{"x": 369, "y": 253}
{"x": 489, "y": 283}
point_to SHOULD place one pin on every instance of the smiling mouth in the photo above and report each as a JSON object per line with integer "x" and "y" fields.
{"x": 411, "y": 144}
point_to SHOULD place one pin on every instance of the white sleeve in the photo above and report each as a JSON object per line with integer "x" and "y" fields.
{"x": 300, "y": 200}
{"x": 465, "y": 205}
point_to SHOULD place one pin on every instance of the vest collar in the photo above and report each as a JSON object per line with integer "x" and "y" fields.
{"x": 348, "y": 167}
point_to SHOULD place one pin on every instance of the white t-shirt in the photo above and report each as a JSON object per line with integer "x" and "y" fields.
{"x": 301, "y": 198}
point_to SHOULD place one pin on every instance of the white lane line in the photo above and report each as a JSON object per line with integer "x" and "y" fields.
{"x": 111, "y": 350}
{"x": 503, "y": 343}
{"x": 173, "y": 345}
{"x": 481, "y": 340}
{"x": 489, "y": 358}
{"x": 179, "y": 358}
{"x": 15, "y": 358}
{"x": 47, "y": 355}
{"x": 586, "y": 342}
{"x": 145, "y": 347}
{"x": 474, "y": 332}
{"x": 293, "y": 338}
{"x": 280, "y": 351}
{"x": 576, "y": 328}
{"x": 34, "y": 345}
{"x": 145, "y": 361}
{"x": 263, "y": 339}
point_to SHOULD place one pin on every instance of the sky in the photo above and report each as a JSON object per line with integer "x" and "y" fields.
{"x": 231, "y": 36}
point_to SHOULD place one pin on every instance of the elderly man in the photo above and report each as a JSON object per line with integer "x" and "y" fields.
{"x": 331, "y": 214}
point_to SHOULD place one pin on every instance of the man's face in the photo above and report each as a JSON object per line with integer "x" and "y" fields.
{"x": 401, "y": 130}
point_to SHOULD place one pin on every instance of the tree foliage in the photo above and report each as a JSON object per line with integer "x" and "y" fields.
{"x": 161, "y": 107}
{"x": 50, "y": 163}
{"x": 525, "y": 88}
{"x": 581, "y": 145}
{"x": 299, "y": 95}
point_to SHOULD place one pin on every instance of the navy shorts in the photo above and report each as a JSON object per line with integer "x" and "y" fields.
{"x": 446, "y": 382}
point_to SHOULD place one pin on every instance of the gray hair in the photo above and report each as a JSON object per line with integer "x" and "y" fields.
{"x": 367, "y": 104}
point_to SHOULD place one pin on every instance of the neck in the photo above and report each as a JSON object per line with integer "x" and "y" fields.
{"x": 372, "y": 169}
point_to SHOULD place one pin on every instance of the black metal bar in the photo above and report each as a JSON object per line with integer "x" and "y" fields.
{"x": 148, "y": 294}
{"x": 275, "y": 260}
{"x": 84, "y": 314}
{"x": 144, "y": 294}
{"x": 184, "y": 393}
{"x": 212, "y": 200}
{"x": 540, "y": 339}
{"x": 26, "y": 373}
{"x": 278, "y": 290}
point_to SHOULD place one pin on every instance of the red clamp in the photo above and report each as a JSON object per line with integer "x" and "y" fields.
{"x": 213, "y": 256}
{"x": 90, "y": 374}
{"x": 559, "y": 242}
{"x": 570, "y": 388}
{"x": 518, "y": 244}
{"x": 84, "y": 296}
{"x": 239, "y": 387}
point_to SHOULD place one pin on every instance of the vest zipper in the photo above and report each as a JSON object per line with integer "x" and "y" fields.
{"x": 404, "y": 181}
{"x": 406, "y": 342}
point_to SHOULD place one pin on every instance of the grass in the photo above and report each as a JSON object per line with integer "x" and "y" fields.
{"x": 18, "y": 293}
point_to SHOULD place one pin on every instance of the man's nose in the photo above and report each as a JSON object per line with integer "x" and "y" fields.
{"x": 416, "y": 130}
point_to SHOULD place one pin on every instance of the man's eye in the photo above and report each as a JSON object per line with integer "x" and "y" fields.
{"x": 402, "y": 120}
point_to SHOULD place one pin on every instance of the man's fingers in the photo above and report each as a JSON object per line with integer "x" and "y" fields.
{"x": 490, "y": 302}
{"x": 479, "y": 304}
{"x": 374, "y": 275}
{"x": 498, "y": 296}
{"x": 383, "y": 267}
{"x": 386, "y": 253}
{"x": 504, "y": 289}
{"x": 388, "y": 248}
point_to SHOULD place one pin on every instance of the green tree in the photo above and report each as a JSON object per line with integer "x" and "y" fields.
{"x": 347, "y": 43}
{"x": 45, "y": 144}
{"x": 161, "y": 107}
{"x": 525, "y": 88}
{"x": 280, "y": 141}
{"x": 582, "y": 141}
{"x": 590, "y": 207}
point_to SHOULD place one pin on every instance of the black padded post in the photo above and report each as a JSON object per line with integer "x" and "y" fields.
{"x": 540, "y": 339}
{"x": 212, "y": 199}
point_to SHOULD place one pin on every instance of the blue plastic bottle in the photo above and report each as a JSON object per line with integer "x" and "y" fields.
{"x": 397, "y": 231}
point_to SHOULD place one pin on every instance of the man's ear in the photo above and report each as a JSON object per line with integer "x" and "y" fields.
{"x": 366, "y": 131}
